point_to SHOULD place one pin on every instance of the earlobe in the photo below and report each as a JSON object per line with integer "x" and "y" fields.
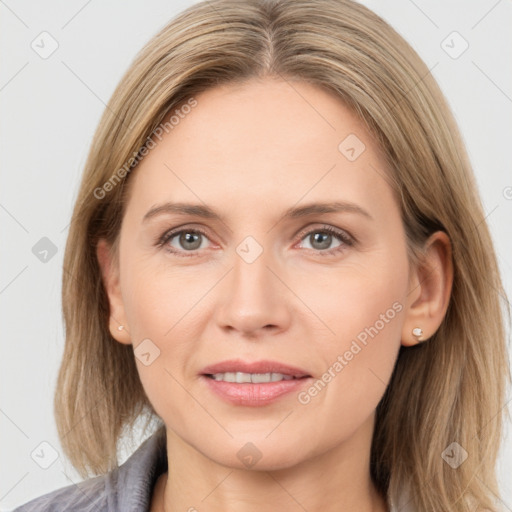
{"x": 430, "y": 291}
{"x": 111, "y": 283}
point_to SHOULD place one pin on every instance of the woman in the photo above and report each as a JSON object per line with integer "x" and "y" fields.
{"x": 278, "y": 252}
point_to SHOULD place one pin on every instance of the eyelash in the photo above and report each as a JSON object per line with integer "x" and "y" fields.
{"x": 343, "y": 237}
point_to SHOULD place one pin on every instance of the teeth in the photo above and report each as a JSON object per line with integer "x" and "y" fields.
{"x": 255, "y": 378}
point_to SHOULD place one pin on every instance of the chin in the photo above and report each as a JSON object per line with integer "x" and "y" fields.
{"x": 257, "y": 455}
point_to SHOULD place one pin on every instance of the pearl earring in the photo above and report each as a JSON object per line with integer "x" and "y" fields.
{"x": 418, "y": 332}
{"x": 120, "y": 328}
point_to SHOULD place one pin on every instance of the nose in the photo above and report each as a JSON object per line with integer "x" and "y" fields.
{"x": 254, "y": 298}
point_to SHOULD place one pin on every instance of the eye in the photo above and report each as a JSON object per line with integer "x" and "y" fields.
{"x": 184, "y": 240}
{"x": 321, "y": 240}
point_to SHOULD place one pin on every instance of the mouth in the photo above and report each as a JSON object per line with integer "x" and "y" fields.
{"x": 256, "y": 372}
{"x": 252, "y": 378}
{"x": 253, "y": 384}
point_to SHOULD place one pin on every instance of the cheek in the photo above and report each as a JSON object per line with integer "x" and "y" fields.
{"x": 363, "y": 295}
{"x": 158, "y": 297}
{"x": 364, "y": 306}
{"x": 159, "y": 305}
{"x": 166, "y": 306}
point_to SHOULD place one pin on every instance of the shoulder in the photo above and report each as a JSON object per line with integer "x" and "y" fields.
{"x": 127, "y": 487}
{"x": 85, "y": 496}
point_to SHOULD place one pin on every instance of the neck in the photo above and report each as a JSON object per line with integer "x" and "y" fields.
{"x": 338, "y": 479}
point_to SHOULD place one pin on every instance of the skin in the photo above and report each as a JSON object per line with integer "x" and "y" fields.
{"x": 250, "y": 152}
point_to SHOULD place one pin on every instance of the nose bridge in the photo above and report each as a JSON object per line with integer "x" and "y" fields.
{"x": 250, "y": 272}
{"x": 254, "y": 297}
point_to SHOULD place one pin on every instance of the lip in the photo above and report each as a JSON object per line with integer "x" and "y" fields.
{"x": 249, "y": 394}
{"x": 263, "y": 366}
{"x": 254, "y": 395}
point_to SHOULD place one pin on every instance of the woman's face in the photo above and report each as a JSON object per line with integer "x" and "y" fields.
{"x": 251, "y": 274}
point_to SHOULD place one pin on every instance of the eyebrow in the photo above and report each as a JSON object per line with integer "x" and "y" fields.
{"x": 292, "y": 213}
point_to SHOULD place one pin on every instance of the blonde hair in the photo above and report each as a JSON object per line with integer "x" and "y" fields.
{"x": 448, "y": 389}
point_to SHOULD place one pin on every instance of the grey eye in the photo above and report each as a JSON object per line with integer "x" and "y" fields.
{"x": 188, "y": 240}
{"x": 320, "y": 240}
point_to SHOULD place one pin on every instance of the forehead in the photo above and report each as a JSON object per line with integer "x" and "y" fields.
{"x": 263, "y": 143}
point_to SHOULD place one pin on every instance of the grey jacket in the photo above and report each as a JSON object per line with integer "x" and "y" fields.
{"x": 128, "y": 488}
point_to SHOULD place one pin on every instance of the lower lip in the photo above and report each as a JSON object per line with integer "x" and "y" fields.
{"x": 254, "y": 395}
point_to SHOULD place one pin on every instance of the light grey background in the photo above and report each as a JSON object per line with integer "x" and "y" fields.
{"x": 50, "y": 109}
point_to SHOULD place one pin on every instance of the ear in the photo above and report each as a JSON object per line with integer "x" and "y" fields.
{"x": 430, "y": 290}
{"x": 109, "y": 267}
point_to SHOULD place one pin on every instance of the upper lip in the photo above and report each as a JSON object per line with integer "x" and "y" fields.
{"x": 263, "y": 366}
